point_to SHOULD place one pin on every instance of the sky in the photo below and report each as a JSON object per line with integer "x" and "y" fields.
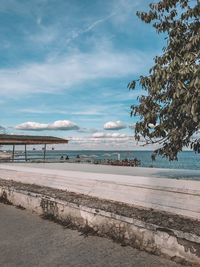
{"x": 65, "y": 66}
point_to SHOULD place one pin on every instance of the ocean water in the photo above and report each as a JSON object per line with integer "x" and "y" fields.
{"x": 186, "y": 160}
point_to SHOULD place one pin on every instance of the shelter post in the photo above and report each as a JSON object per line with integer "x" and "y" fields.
{"x": 25, "y": 153}
{"x": 24, "y": 140}
{"x": 13, "y": 153}
{"x": 45, "y": 146}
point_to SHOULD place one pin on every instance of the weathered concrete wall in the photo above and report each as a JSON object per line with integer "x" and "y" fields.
{"x": 175, "y": 196}
{"x": 176, "y": 245}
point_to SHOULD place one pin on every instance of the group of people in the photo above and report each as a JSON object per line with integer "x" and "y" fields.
{"x": 67, "y": 157}
{"x": 125, "y": 162}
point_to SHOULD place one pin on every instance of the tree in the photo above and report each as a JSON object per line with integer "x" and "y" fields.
{"x": 170, "y": 112}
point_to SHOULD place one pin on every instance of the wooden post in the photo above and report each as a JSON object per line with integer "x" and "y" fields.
{"x": 45, "y": 151}
{"x": 25, "y": 153}
{"x": 13, "y": 153}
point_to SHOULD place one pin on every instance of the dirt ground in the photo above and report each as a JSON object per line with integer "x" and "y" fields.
{"x": 161, "y": 219}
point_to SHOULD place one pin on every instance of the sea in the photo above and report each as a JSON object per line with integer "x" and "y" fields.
{"x": 188, "y": 160}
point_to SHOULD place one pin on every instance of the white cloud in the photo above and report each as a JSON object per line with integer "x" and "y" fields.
{"x": 85, "y": 111}
{"x": 114, "y": 125}
{"x": 109, "y": 135}
{"x": 63, "y": 125}
{"x": 34, "y": 126}
{"x": 125, "y": 9}
{"x": 57, "y": 125}
{"x": 102, "y": 140}
{"x": 76, "y": 34}
{"x": 100, "y": 137}
{"x": 68, "y": 71}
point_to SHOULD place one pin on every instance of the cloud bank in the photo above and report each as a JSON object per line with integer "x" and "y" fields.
{"x": 109, "y": 135}
{"x": 114, "y": 125}
{"x": 64, "y": 125}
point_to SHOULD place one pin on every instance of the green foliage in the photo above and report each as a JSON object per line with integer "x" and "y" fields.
{"x": 170, "y": 112}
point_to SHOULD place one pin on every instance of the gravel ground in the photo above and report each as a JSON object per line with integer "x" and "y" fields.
{"x": 28, "y": 240}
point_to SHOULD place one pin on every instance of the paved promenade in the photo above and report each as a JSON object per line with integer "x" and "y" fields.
{"x": 177, "y": 196}
{"x": 28, "y": 240}
{"x": 108, "y": 169}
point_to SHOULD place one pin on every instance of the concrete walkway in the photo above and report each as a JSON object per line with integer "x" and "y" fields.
{"x": 176, "y": 196}
{"x": 28, "y": 240}
{"x": 129, "y": 171}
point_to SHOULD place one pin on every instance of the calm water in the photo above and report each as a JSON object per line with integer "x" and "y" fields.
{"x": 186, "y": 160}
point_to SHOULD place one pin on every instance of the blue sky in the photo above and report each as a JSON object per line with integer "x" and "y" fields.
{"x": 65, "y": 66}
